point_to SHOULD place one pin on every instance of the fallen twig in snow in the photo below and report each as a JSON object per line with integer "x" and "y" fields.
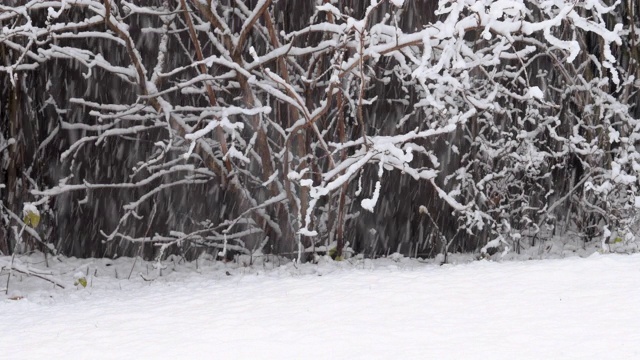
{"x": 28, "y": 272}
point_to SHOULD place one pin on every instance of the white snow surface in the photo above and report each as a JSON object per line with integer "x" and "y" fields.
{"x": 393, "y": 308}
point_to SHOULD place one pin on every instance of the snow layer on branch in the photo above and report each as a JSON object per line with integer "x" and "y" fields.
{"x": 307, "y": 232}
{"x": 369, "y": 204}
{"x": 234, "y": 153}
{"x": 536, "y": 93}
{"x": 30, "y": 208}
{"x": 620, "y": 176}
{"x": 328, "y": 7}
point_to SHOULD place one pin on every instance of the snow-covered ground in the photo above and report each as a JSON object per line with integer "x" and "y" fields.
{"x": 582, "y": 308}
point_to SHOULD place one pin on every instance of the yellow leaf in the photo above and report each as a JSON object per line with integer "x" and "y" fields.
{"x": 81, "y": 281}
{"x": 31, "y": 219}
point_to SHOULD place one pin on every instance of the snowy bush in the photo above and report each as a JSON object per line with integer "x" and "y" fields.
{"x": 268, "y": 126}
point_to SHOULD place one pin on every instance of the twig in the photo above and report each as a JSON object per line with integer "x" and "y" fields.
{"x": 13, "y": 256}
{"x": 153, "y": 214}
{"x": 26, "y": 271}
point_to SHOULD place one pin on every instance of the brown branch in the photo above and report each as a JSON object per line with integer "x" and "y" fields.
{"x": 247, "y": 29}
{"x": 291, "y": 115}
{"x": 363, "y": 128}
{"x": 343, "y": 189}
{"x": 217, "y": 23}
{"x": 199, "y": 55}
{"x": 262, "y": 141}
{"x": 203, "y": 70}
